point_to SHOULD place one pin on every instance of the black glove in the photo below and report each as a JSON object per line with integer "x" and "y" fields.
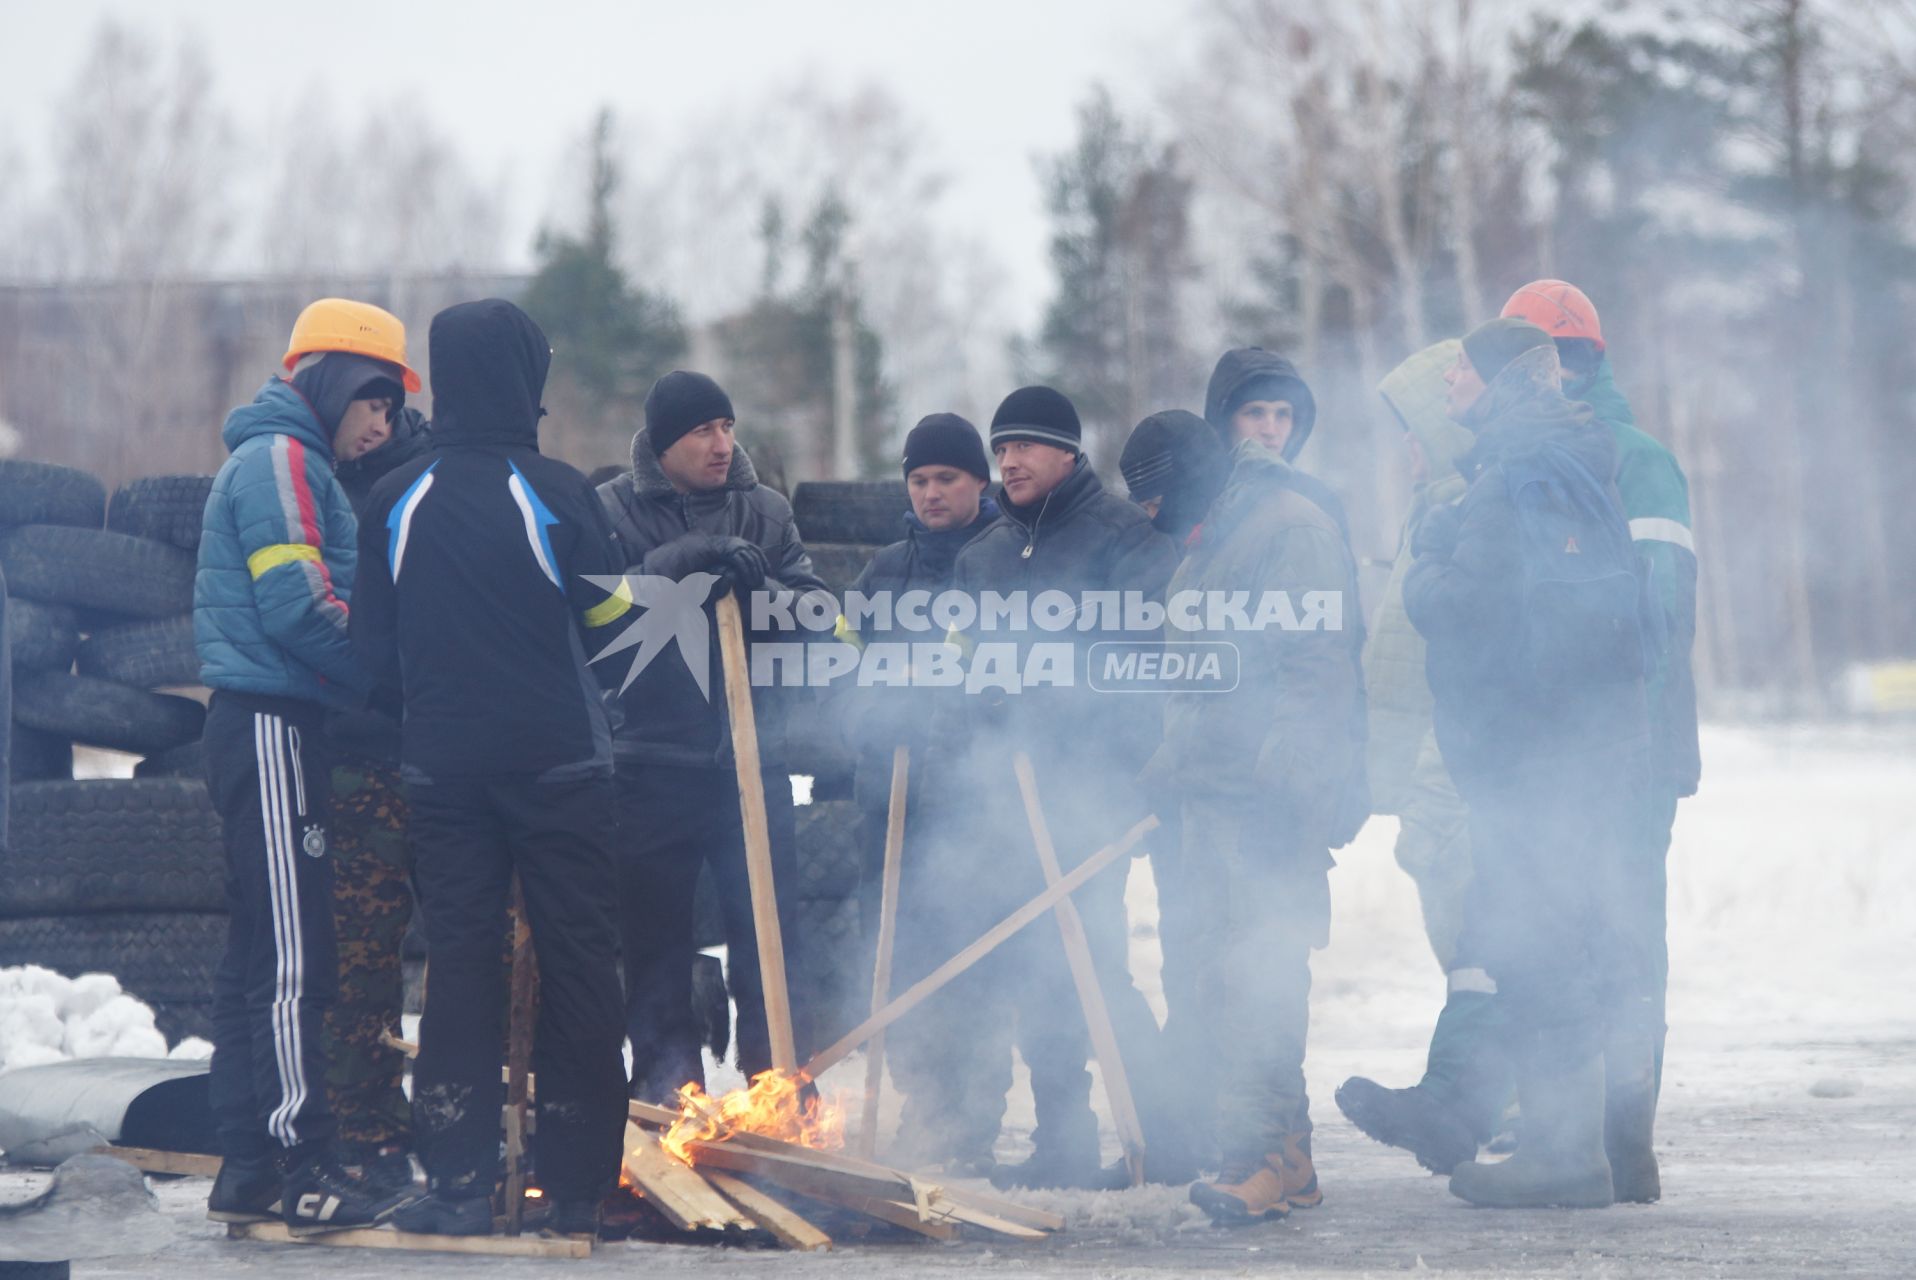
{"x": 745, "y": 566}
{"x": 1436, "y": 533}
{"x": 693, "y": 553}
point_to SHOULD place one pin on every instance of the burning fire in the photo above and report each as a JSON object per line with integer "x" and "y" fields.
{"x": 775, "y": 1106}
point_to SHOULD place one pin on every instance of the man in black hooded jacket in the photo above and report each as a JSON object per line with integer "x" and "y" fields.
{"x": 479, "y": 564}
{"x": 692, "y": 504}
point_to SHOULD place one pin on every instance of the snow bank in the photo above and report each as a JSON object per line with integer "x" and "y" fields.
{"x": 45, "y": 1017}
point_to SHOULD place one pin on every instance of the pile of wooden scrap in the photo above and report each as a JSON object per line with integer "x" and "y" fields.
{"x": 724, "y": 1188}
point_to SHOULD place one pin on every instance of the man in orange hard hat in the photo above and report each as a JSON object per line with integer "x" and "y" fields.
{"x": 277, "y": 557}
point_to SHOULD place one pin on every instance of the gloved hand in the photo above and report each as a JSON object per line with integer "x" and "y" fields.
{"x": 745, "y": 565}
{"x": 693, "y": 553}
{"x": 1436, "y": 533}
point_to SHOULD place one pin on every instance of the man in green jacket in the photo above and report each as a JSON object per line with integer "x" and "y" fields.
{"x": 1270, "y": 777}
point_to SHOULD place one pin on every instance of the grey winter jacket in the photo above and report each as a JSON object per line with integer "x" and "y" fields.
{"x": 667, "y": 720}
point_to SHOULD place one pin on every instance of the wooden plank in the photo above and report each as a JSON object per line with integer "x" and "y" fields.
{"x": 647, "y": 1113}
{"x": 896, "y": 1212}
{"x": 521, "y": 1017}
{"x": 1084, "y": 973}
{"x": 986, "y": 942}
{"x": 388, "y": 1238}
{"x": 147, "y": 1160}
{"x": 758, "y": 844}
{"x": 784, "y": 1223}
{"x": 887, "y": 932}
{"x": 797, "y": 1173}
{"x": 940, "y": 1201}
{"x": 677, "y": 1191}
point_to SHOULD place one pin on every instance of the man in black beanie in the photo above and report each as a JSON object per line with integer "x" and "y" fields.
{"x": 1174, "y": 464}
{"x": 1061, "y": 534}
{"x": 953, "y": 1098}
{"x": 691, "y": 504}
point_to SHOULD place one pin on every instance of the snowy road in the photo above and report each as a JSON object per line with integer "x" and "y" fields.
{"x": 1787, "y": 1136}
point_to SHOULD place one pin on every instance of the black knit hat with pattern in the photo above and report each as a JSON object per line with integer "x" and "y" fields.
{"x": 1040, "y": 415}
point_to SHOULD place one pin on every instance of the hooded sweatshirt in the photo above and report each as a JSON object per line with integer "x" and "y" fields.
{"x": 477, "y": 560}
{"x": 1399, "y": 691}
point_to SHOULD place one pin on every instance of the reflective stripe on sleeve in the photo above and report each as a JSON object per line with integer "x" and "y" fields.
{"x": 1662, "y": 529}
{"x": 612, "y": 608}
{"x": 268, "y": 558}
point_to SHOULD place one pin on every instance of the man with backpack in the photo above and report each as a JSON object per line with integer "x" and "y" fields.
{"x": 1529, "y": 596}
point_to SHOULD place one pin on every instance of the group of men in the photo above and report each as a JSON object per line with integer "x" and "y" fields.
{"x": 402, "y": 624}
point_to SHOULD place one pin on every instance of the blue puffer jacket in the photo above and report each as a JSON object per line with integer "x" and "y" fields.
{"x": 277, "y": 552}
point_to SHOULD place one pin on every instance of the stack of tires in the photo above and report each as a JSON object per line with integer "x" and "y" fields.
{"x": 843, "y": 523}
{"x": 114, "y": 875}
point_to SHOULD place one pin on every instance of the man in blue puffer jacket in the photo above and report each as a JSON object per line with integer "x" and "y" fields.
{"x": 276, "y": 561}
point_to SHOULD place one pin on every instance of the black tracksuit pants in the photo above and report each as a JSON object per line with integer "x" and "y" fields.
{"x": 672, "y": 820}
{"x": 269, "y": 778}
{"x": 468, "y": 838}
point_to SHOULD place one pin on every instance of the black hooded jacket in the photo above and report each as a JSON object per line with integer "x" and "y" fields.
{"x": 1235, "y": 369}
{"x": 371, "y": 732}
{"x": 474, "y": 560}
{"x": 1464, "y": 594}
{"x": 668, "y": 720}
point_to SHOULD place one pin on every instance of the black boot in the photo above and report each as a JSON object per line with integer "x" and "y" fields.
{"x": 1413, "y": 1119}
{"x": 245, "y": 1191}
{"x": 1560, "y": 1161}
{"x": 573, "y": 1218}
{"x": 1630, "y": 1112}
{"x": 1063, "y": 1155}
{"x": 321, "y": 1194}
{"x": 440, "y": 1214}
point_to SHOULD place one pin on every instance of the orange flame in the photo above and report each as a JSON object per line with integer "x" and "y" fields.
{"x": 775, "y": 1106}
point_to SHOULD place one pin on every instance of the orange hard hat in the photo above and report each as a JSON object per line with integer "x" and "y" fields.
{"x": 338, "y": 324}
{"x": 1558, "y": 308}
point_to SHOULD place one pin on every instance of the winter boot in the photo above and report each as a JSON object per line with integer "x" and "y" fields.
{"x": 659, "y": 1081}
{"x": 1300, "y": 1175}
{"x": 1063, "y": 1156}
{"x": 245, "y": 1191}
{"x": 320, "y": 1194}
{"x": 442, "y": 1214}
{"x": 1250, "y": 1189}
{"x": 389, "y": 1165}
{"x": 1412, "y": 1119}
{"x": 573, "y": 1218}
{"x": 1561, "y": 1160}
{"x": 1630, "y": 1113}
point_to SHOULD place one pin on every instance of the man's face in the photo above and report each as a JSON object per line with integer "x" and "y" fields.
{"x": 1465, "y": 386}
{"x": 1031, "y": 470}
{"x": 364, "y": 426}
{"x": 699, "y": 460}
{"x": 944, "y": 497}
{"x": 1269, "y": 422}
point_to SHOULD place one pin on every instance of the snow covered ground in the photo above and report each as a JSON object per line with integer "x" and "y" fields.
{"x": 1788, "y": 1130}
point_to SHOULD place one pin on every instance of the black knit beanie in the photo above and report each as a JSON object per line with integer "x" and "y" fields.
{"x": 1040, "y": 415}
{"x": 946, "y": 440}
{"x": 680, "y": 401}
{"x": 1493, "y": 344}
{"x": 1178, "y": 458}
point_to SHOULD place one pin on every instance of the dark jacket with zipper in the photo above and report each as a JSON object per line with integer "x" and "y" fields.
{"x": 878, "y": 718}
{"x": 667, "y": 719}
{"x": 371, "y": 732}
{"x": 479, "y": 562}
{"x": 1078, "y": 539}
{"x": 1464, "y": 594}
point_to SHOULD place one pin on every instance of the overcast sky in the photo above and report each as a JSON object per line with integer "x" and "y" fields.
{"x": 995, "y": 81}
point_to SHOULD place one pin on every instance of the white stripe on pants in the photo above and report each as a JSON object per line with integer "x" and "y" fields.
{"x": 289, "y": 977}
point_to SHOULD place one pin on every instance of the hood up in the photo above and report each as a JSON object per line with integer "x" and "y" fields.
{"x": 489, "y": 364}
{"x": 1247, "y": 364}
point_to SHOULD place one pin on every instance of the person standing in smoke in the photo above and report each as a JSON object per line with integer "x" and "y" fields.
{"x": 276, "y": 572}
{"x": 692, "y": 504}
{"x": 1454, "y": 1109}
{"x": 953, "y": 1093}
{"x": 1529, "y": 597}
{"x": 478, "y": 600}
{"x": 1270, "y": 778}
{"x": 1060, "y": 533}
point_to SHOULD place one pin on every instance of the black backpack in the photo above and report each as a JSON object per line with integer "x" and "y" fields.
{"x": 1588, "y": 611}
